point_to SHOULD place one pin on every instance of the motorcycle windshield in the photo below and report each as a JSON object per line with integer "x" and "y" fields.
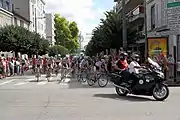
{"x": 155, "y": 64}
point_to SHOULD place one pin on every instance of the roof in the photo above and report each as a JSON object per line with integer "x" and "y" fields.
{"x": 43, "y": 1}
{"x": 16, "y": 14}
{"x": 6, "y": 11}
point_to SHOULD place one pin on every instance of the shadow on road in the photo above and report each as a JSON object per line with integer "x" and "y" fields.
{"x": 76, "y": 85}
{"x": 128, "y": 98}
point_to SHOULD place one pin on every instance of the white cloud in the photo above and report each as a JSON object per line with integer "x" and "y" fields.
{"x": 78, "y": 10}
{"x": 81, "y": 11}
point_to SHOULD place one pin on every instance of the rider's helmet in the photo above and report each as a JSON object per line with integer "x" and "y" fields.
{"x": 135, "y": 57}
{"x": 123, "y": 55}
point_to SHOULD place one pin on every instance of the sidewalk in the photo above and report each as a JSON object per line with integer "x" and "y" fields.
{"x": 171, "y": 83}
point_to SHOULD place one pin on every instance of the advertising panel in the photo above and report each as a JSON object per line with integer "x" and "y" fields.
{"x": 157, "y": 46}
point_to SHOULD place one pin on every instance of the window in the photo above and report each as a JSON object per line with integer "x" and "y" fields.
{"x": 21, "y": 23}
{"x": 1, "y": 3}
{"x": 33, "y": 22}
{"x": 15, "y": 21}
{"x": 7, "y": 5}
{"x": 42, "y": 26}
{"x": 33, "y": 9}
{"x": 153, "y": 17}
{"x": 39, "y": 27}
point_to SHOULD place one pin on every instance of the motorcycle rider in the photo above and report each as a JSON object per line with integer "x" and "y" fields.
{"x": 134, "y": 68}
{"x": 122, "y": 65}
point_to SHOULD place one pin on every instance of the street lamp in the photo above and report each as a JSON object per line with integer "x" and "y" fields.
{"x": 124, "y": 24}
{"x": 145, "y": 30}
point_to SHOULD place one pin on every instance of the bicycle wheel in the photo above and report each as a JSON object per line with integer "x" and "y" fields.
{"x": 102, "y": 80}
{"x": 90, "y": 80}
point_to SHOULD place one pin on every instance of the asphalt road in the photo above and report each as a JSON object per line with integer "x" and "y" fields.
{"x": 21, "y": 98}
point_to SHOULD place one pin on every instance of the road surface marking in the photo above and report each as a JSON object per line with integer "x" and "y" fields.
{"x": 6, "y": 82}
{"x": 28, "y": 80}
{"x": 63, "y": 84}
{"x": 42, "y": 83}
{"x": 21, "y": 83}
{"x": 66, "y": 80}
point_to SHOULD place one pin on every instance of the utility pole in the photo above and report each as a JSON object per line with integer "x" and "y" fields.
{"x": 124, "y": 25}
{"x": 145, "y": 31}
{"x": 35, "y": 22}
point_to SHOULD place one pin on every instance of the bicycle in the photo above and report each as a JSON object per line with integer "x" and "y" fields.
{"x": 38, "y": 72}
{"x": 48, "y": 74}
{"x": 97, "y": 78}
{"x": 63, "y": 73}
{"x": 83, "y": 74}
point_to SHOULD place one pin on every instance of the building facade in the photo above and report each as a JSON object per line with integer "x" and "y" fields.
{"x": 18, "y": 20}
{"x": 158, "y": 25}
{"x": 50, "y": 28}
{"x": 34, "y": 11}
{"x": 135, "y": 17}
{"x": 6, "y": 16}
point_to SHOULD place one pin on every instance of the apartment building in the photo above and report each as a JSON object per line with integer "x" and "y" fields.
{"x": 50, "y": 28}
{"x": 130, "y": 4}
{"x": 34, "y": 11}
{"x": 135, "y": 16}
{"x": 19, "y": 20}
{"x": 163, "y": 23}
{"x": 6, "y": 16}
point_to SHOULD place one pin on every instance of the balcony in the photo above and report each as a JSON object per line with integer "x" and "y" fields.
{"x": 137, "y": 14}
{"x": 130, "y": 4}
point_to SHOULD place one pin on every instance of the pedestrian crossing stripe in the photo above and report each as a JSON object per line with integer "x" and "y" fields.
{"x": 42, "y": 83}
{"x": 6, "y": 82}
{"x": 21, "y": 83}
{"x": 28, "y": 81}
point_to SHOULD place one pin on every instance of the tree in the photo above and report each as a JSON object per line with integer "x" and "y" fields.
{"x": 66, "y": 33}
{"x": 57, "y": 49}
{"x": 108, "y": 34}
{"x": 74, "y": 33}
{"x": 19, "y": 39}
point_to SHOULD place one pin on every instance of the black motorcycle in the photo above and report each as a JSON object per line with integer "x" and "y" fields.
{"x": 150, "y": 82}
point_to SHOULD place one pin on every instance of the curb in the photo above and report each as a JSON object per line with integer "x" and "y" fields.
{"x": 173, "y": 85}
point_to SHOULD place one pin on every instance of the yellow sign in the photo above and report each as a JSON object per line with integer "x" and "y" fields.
{"x": 157, "y": 46}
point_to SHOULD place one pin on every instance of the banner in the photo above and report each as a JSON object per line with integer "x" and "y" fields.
{"x": 157, "y": 46}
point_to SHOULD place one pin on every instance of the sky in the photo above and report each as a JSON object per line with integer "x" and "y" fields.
{"x": 86, "y": 13}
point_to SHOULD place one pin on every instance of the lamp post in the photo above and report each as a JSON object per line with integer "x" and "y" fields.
{"x": 124, "y": 24}
{"x": 145, "y": 31}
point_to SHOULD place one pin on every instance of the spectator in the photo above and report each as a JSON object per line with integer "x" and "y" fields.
{"x": 171, "y": 66}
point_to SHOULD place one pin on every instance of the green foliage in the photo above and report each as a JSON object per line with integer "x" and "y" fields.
{"x": 19, "y": 39}
{"x": 109, "y": 34}
{"x": 58, "y": 49}
{"x": 66, "y": 33}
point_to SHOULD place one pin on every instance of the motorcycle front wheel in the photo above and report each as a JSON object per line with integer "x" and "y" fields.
{"x": 121, "y": 92}
{"x": 160, "y": 93}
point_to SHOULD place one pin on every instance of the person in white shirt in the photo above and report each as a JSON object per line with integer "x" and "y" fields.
{"x": 134, "y": 68}
{"x": 134, "y": 65}
{"x": 83, "y": 64}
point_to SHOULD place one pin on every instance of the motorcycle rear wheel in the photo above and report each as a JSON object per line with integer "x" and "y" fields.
{"x": 157, "y": 93}
{"x": 121, "y": 92}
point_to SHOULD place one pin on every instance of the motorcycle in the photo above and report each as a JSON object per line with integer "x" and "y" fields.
{"x": 150, "y": 82}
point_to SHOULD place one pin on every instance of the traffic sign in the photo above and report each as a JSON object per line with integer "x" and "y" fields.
{"x": 173, "y": 4}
